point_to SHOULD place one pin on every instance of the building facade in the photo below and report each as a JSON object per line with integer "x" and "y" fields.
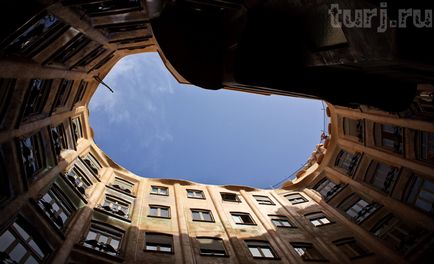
{"x": 366, "y": 195}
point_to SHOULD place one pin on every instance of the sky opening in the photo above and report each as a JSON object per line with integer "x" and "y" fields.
{"x": 157, "y": 128}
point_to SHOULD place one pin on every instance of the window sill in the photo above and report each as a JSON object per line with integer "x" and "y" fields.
{"x": 156, "y": 216}
{"x": 89, "y": 250}
{"x": 112, "y": 215}
{"x": 214, "y": 256}
{"x": 159, "y": 194}
{"x": 250, "y": 224}
{"x": 205, "y": 221}
{"x": 159, "y": 252}
{"x": 203, "y": 198}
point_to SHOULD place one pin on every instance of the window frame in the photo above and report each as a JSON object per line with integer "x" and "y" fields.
{"x": 241, "y": 214}
{"x": 318, "y": 216}
{"x": 325, "y": 185}
{"x": 412, "y": 193}
{"x": 351, "y": 245}
{"x": 159, "y": 188}
{"x": 62, "y": 201}
{"x": 347, "y": 162}
{"x": 265, "y": 244}
{"x": 99, "y": 229}
{"x": 212, "y": 252}
{"x": 194, "y": 191}
{"x": 115, "y": 201}
{"x": 225, "y": 194}
{"x": 117, "y": 187}
{"x": 159, "y": 245}
{"x": 369, "y": 209}
{"x": 37, "y": 149}
{"x": 374, "y": 175}
{"x": 159, "y": 207}
{"x": 301, "y": 248}
{"x": 266, "y": 201}
{"x": 301, "y": 197}
{"x": 17, "y": 229}
{"x": 280, "y": 218}
{"x": 201, "y": 212}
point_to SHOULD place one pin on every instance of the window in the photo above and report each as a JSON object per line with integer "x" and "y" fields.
{"x": 389, "y": 137}
{"x": 242, "y": 218}
{"x": 36, "y": 97}
{"x": 211, "y": 246}
{"x": 56, "y": 207}
{"x": 110, "y": 7}
{"x": 66, "y": 52}
{"x": 63, "y": 93}
{"x": 123, "y": 185}
{"x": 354, "y": 128}
{"x": 420, "y": 193}
{"x": 424, "y": 146}
{"x": 351, "y": 248}
{"x": 202, "y": 215}
{"x": 78, "y": 179}
{"x": 92, "y": 164}
{"x": 261, "y": 249}
{"x": 35, "y": 35}
{"x": 116, "y": 206}
{"x": 104, "y": 238}
{"x": 158, "y": 242}
{"x": 230, "y": 197}
{"x": 32, "y": 154}
{"x": 58, "y": 136}
{"x": 347, "y": 162}
{"x": 81, "y": 91}
{"x": 21, "y": 244}
{"x": 91, "y": 56}
{"x": 280, "y": 221}
{"x": 318, "y": 219}
{"x": 159, "y": 211}
{"x": 308, "y": 252}
{"x": 295, "y": 198}
{"x": 195, "y": 194}
{"x": 382, "y": 176}
{"x": 77, "y": 131}
{"x": 6, "y": 88}
{"x": 159, "y": 190}
{"x": 327, "y": 188}
{"x": 263, "y": 200}
{"x": 397, "y": 235}
{"x": 360, "y": 210}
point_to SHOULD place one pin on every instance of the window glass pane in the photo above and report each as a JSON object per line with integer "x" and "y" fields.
{"x": 18, "y": 252}
{"x": 6, "y": 240}
{"x": 31, "y": 260}
{"x": 255, "y": 252}
{"x": 428, "y": 185}
{"x": 165, "y": 249}
{"x": 164, "y": 212}
{"x": 150, "y": 247}
{"x": 21, "y": 231}
{"x": 428, "y": 207}
{"x": 103, "y": 238}
{"x": 154, "y": 211}
{"x": 206, "y": 216}
{"x": 267, "y": 253}
{"x": 325, "y": 220}
{"x": 237, "y": 219}
{"x": 91, "y": 235}
{"x": 36, "y": 248}
{"x": 114, "y": 243}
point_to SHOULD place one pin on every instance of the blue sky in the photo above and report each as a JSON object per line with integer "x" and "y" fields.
{"x": 157, "y": 128}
